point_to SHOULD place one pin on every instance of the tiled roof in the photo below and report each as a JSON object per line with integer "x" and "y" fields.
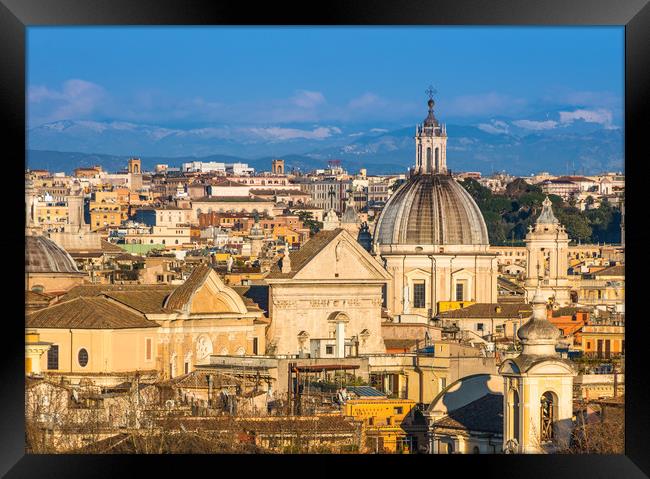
{"x": 482, "y": 415}
{"x": 87, "y": 313}
{"x": 305, "y": 254}
{"x": 146, "y": 301}
{"x": 489, "y": 310}
{"x": 86, "y": 254}
{"x": 406, "y": 344}
{"x": 32, "y": 297}
{"x": 182, "y": 294}
{"x": 108, "y": 247}
{"x": 509, "y": 285}
{"x": 101, "y": 289}
{"x": 128, "y": 257}
{"x": 617, "y": 270}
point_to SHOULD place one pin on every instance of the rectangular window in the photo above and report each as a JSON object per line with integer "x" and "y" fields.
{"x": 53, "y": 357}
{"x": 187, "y": 367}
{"x": 460, "y": 291}
{"x": 148, "y": 351}
{"x": 479, "y": 326}
{"x": 329, "y": 349}
{"x": 254, "y": 345}
{"x": 418, "y": 294}
{"x": 398, "y": 410}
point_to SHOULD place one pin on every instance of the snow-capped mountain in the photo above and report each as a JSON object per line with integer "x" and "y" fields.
{"x": 560, "y": 145}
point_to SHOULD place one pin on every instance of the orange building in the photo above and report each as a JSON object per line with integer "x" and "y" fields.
{"x": 570, "y": 322}
{"x": 603, "y": 341}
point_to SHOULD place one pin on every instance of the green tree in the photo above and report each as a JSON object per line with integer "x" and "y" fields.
{"x": 308, "y": 220}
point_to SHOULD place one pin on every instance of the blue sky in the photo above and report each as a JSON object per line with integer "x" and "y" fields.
{"x": 189, "y": 77}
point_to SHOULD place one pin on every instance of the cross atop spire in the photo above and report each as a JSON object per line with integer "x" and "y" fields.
{"x": 430, "y": 91}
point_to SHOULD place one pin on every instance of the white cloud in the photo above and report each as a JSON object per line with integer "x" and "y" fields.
{"x": 280, "y": 134}
{"x": 535, "y": 125}
{"x": 378, "y": 130}
{"x": 76, "y": 99}
{"x": 366, "y": 100}
{"x": 495, "y": 127}
{"x": 601, "y": 116}
{"x": 308, "y": 99}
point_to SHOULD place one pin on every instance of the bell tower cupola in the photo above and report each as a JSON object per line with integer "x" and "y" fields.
{"x": 431, "y": 143}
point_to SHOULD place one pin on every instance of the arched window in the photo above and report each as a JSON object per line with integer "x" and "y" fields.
{"x": 476, "y": 450}
{"x": 437, "y": 159}
{"x": 450, "y": 448}
{"x": 548, "y": 406}
{"x": 429, "y": 159}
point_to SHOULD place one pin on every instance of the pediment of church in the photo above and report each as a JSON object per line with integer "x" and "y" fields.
{"x": 463, "y": 273}
{"x": 418, "y": 273}
{"x": 342, "y": 258}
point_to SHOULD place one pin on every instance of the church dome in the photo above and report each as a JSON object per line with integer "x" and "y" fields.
{"x": 42, "y": 255}
{"x": 431, "y": 209}
{"x": 538, "y": 329}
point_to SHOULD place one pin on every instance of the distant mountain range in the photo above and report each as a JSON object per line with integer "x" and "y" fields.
{"x": 583, "y": 148}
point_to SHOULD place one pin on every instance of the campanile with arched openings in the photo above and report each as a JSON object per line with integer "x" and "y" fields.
{"x": 537, "y": 388}
{"x": 431, "y": 143}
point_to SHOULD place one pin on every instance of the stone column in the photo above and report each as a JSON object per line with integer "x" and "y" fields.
{"x": 340, "y": 339}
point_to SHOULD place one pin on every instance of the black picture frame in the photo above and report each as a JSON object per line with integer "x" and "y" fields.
{"x": 16, "y": 15}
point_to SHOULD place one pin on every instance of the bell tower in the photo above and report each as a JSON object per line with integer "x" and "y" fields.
{"x": 431, "y": 143}
{"x": 547, "y": 248}
{"x": 537, "y": 389}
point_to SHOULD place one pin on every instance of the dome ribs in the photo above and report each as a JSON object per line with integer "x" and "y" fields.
{"x": 431, "y": 209}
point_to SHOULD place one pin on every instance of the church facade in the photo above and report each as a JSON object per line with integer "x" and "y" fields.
{"x": 325, "y": 300}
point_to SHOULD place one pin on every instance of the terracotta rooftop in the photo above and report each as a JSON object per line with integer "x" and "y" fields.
{"x": 149, "y": 301}
{"x": 101, "y": 289}
{"x": 617, "y": 270}
{"x": 33, "y": 297}
{"x": 405, "y": 344}
{"x": 87, "y": 313}
{"x": 305, "y": 254}
{"x": 489, "y": 310}
{"x": 128, "y": 257}
{"x": 109, "y": 247}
